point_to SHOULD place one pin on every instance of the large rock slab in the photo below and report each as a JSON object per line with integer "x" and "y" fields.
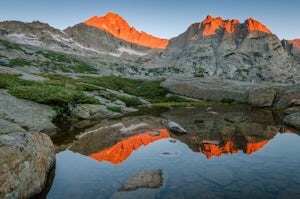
{"x": 262, "y": 97}
{"x": 29, "y": 115}
{"x": 208, "y": 88}
{"x": 7, "y": 127}
{"x": 150, "y": 179}
{"x": 25, "y": 160}
{"x": 215, "y": 89}
{"x": 293, "y": 120}
{"x": 92, "y": 111}
{"x": 286, "y": 94}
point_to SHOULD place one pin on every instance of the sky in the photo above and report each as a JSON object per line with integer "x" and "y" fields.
{"x": 162, "y": 18}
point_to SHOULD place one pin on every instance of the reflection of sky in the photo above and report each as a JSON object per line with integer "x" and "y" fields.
{"x": 162, "y": 18}
{"x": 273, "y": 167}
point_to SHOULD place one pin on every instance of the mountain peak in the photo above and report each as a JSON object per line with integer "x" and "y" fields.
{"x": 118, "y": 27}
{"x": 210, "y": 25}
{"x": 295, "y": 42}
{"x": 254, "y": 25}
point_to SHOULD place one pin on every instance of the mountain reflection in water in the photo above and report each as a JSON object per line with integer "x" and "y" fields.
{"x": 123, "y": 149}
{"x": 237, "y": 153}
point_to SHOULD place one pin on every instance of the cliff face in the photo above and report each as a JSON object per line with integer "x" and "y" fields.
{"x": 229, "y": 49}
{"x": 292, "y": 47}
{"x": 118, "y": 27}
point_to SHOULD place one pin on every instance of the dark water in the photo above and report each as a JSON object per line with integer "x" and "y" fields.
{"x": 237, "y": 153}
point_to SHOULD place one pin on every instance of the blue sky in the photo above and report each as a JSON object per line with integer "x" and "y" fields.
{"x": 163, "y": 18}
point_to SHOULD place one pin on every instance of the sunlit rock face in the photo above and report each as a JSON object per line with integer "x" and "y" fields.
{"x": 210, "y": 26}
{"x": 295, "y": 42}
{"x": 118, "y": 27}
{"x": 293, "y": 47}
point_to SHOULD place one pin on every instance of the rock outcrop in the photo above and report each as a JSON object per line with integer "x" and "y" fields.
{"x": 118, "y": 27}
{"x": 27, "y": 154}
{"x": 262, "y": 97}
{"x": 28, "y": 115}
{"x": 293, "y": 120}
{"x": 92, "y": 111}
{"x": 292, "y": 46}
{"x": 25, "y": 161}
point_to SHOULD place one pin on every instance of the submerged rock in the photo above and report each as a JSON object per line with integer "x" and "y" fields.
{"x": 176, "y": 128}
{"x": 25, "y": 161}
{"x": 293, "y": 120}
{"x": 150, "y": 179}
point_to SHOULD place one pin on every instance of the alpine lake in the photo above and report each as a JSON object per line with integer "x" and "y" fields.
{"x": 231, "y": 151}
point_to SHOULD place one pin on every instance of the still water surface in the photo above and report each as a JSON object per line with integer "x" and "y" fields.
{"x": 238, "y": 163}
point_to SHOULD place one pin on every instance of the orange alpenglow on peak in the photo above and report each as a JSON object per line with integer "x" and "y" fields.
{"x": 295, "y": 42}
{"x": 210, "y": 25}
{"x": 118, "y": 27}
{"x": 254, "y": 25}
{"x": 123, "y": 149}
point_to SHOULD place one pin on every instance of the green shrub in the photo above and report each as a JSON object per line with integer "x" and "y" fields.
{"x": 11, "y": 80}
{"x": 228, "y": 100}
{"x": 117, "y": 109}
{"x": 52, "y": 95}
{"x": 19, "y": 62}
{"x": 130, "y": 101}
{"x": 150, "y": 90}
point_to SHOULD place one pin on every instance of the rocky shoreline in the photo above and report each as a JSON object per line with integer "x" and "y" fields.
{"x": 215, "y": 89}
{"x": 280, "y": 96}
{"x": 27, "y": 152}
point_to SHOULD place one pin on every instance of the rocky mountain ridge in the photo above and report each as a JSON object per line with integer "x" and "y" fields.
{"x": 229, "y": 49}
{"x": 214, "y": 47}
{"x": 118, "y": 27}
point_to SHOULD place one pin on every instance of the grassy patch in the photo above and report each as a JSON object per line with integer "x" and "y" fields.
{"x": 66, "y": 63}
{"x": 53, "y": 95}
{"x": 116, "y": 109}
{"x": 19, "y": 62}
{"x": 11, "y": 80}
{"x": 168, "y": 104}
{"x": 150, "y": 90}
{"x": 130, "y": 101}
{"x": 228, "y": 101}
